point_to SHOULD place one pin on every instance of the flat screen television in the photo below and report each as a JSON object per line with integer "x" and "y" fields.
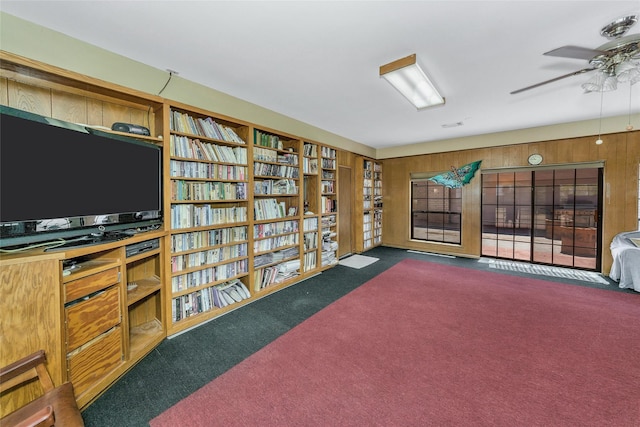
{"x": 61, "y": 182}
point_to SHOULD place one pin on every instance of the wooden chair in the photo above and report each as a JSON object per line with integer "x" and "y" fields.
{"x": 56, "y": 407}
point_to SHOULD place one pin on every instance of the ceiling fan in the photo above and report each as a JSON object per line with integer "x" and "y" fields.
{"x": 606, "y": 58}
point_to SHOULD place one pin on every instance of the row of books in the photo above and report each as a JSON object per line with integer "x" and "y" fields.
{"x": 275, "y": 170}
{"x": 265, "y": 154}
{"x": 328, "y": 152}
{"x": 182, "y": 146}
{"x": 274, "y": 228}
{"x": 269, "y": 209}
{"x": 328, "y": 187}
{"x": 329, "y": 221}
{"x": 328, "y": 164}
{"x": 276, "y": 242}
{"x": 270, "y": 186}
{"x": 209, "y": 275}
{"x": 274, "y": 257}
{"x": 328, "y": 256}
{"x": 206, "y": 299}
{"x": 267, "y": 140}
{"x": 208, "y": 257}
{"x": 310, "y": 261}
{"x": 310, "y": 224}
{"x": 189, "y": 215}
{"x": 187, "y": 169}
{"x": 310, "y": 166}
{"x": 264, "y": 277}
{"x": 202, "y": 239}
{"x": 208, "y": 127}
{"x": 208, "y": 190}
{"x": 328, "y": 205}
{"x": 310, "y": 150}
{"x": 310, "y": 241}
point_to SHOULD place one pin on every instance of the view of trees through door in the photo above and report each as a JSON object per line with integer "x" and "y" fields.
{"x": 545, "y": 216}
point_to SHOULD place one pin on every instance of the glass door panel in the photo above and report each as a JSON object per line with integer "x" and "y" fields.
{"x": 546, "y": 216}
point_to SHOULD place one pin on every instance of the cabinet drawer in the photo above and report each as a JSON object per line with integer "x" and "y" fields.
{"x": 88, "y": 319}
{"x": 93, "y": 283}
{"x": 95, "y": 361}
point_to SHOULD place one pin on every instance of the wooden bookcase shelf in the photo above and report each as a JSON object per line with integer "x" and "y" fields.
{"x": 368, "y": 212}
{"x": 208, "y": 201}
{"x": 247, "y": 211}
{"x": 329, "y": 206}
{"x": 311, "y": 239}
{"x": 277, "y": 214}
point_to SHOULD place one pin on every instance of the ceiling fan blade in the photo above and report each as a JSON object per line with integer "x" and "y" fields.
{"x": 576, "y": 52}
{"x": 555, "y": 79}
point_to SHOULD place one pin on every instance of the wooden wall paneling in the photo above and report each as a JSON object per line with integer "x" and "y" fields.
{"x": 30, "y": 303}
{"x": 69, "y": 107}
{"x": 512, "y": 155}
{"x": 620, "y": 152}
{"x": 345, "y": 158}
{"x": 29, "y": 98}
{"x": 395, "y": 190}
{"x": 345, "y": 210}
{"x": 633, "y": 170}
{"x": 566, "y": 150}
{"x": 112, "y": 113}
{"x": 629, "y": 155}
{"x": 614, "y": 190}
{"x": 4, "y": 96}
{"x": 94, "y": 112}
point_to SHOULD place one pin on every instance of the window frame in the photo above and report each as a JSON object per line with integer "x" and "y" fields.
{"x": 451, "y": 224}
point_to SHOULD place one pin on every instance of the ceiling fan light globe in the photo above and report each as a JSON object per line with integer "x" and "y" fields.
{"x": 627, "y": 71}
{"x": 596, "y": 83}
{"x": 609, "y": 84}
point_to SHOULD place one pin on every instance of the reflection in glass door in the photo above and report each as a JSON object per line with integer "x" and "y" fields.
{"x": 546, "y": 216}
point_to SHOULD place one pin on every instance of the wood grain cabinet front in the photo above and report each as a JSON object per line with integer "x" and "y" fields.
{"x": 90, "y": 284}
{"x": 91, "y": 317}
{"x": 95, "y": 360}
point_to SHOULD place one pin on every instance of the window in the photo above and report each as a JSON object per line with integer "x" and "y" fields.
{"x": 436, "y": 212}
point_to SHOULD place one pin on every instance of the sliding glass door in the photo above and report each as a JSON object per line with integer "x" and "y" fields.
{"x": 545, "y": 216}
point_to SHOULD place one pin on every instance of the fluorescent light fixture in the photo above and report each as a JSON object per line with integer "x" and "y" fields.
{"x": 409, "y": 79}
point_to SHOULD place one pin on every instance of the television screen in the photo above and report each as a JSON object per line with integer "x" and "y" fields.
{"x": 58, "y": 179}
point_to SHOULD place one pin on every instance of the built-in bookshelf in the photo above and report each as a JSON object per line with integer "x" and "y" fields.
{"x": 246, "y": 212}
{"x": 329, "y": 206}
{"x": 209, "y": 204}
{"x": 276, "y": 209}
{"x": 368, "y": 210}
{"x": 311, "y": 218}
{"x": 377, "y": 203}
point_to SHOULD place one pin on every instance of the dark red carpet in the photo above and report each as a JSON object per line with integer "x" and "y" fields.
{"x": 429, "y": 344}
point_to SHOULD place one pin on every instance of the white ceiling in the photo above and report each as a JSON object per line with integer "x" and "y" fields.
{"x": 318, "y": 62}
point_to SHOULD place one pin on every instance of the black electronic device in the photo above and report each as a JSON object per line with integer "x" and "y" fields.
{"x": 140, "y": 247}
{"x": 130, "y": 128}
{"x": 59, "y": 180}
